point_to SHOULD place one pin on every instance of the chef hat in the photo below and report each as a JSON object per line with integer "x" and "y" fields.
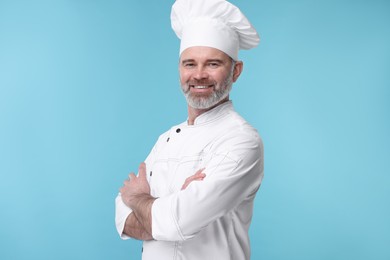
{"x": 212, "y": 23}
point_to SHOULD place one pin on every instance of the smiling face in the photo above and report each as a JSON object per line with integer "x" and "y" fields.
{"x": 206, "y": 76}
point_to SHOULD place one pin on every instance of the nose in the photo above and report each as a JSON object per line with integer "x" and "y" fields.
{"x": 201, "y": 73}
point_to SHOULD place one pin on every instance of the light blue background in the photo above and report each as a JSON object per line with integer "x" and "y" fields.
{"x": 87, "y": 86}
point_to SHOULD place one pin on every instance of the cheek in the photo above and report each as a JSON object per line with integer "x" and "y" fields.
{"x": 183, "y": 82}
{"x": 184, "y": 77}
{"x": 218, "y": 77}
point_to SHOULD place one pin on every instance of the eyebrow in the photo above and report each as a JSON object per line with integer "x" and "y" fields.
{"x": 187, "y": 60}
{"x": 215, "y": 60}
{"x": 209, "y": 60}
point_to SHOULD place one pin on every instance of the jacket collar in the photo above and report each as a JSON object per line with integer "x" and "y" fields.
{"x": 215, "y": 113}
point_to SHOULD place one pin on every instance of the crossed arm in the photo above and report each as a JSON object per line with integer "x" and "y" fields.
{"x": 135, "y": 194}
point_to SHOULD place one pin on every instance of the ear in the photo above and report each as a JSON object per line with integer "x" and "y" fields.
{"x": 238, "y": 67}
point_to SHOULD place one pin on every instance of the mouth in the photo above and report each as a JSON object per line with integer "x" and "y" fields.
{"x": 201, "y": 86}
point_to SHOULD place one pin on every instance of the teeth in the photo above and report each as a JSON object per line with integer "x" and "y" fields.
{"x": 200, "y": 87}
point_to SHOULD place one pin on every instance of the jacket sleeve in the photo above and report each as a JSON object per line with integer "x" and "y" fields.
{"x": 233, "y": 172}
{"x": 122, "y": 211}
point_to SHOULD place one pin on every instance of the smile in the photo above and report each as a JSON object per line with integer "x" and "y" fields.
{"x": 201, "y": 87}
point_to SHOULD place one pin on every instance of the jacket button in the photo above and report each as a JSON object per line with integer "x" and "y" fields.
{"x": 151, "y": 173}
{"x": 178, "y": 130}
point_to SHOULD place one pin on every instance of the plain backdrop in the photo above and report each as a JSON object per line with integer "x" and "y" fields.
{"x": 87, "y": 86}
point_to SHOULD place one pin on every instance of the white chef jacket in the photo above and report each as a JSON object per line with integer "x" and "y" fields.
{"x": 210, "y": 218}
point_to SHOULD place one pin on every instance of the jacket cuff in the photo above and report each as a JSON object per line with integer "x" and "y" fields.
{"x": 121, "y": 213}
{"x": 164, "y": 225}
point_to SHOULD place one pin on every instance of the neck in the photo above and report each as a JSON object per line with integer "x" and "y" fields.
{"x": 193, "y": 113}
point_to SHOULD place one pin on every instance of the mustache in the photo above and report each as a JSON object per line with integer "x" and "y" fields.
{"x": 201, "y": 82}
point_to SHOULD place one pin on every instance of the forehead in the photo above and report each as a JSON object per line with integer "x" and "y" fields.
{"x": 201, "y": 53}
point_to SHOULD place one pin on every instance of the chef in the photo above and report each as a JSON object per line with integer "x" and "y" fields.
{"x": 193, "y": 196}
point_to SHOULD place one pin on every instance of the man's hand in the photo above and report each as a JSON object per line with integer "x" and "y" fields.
{"x": 198, "y": 176}
{"x": 135, "y": 186}
{"x": 135, "y": 194}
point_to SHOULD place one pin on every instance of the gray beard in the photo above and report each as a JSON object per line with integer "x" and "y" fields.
{"x": 200, "y": 102}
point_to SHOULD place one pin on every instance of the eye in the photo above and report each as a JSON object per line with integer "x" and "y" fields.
{"x": 189, "y": 65}
{"x": 214, "y": 64}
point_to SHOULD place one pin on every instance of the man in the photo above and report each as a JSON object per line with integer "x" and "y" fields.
{"x": 193, "y": 196}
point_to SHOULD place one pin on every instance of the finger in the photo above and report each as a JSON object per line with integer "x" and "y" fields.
{"x": 197, "y": 176}
{"x": 186, "y": 183}
{"x": 200, "y": 170}
{"x": 132, "y": 176}
{"x": 192, "y": 178}
{"x": 200, "y": 175}
{"x": 142, "y": 170}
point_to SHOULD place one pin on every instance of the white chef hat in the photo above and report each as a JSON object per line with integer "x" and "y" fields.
{"x": 212, "y": 23}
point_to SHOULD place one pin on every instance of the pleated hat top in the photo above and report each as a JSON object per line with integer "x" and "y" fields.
{"x": 212, "y": 23}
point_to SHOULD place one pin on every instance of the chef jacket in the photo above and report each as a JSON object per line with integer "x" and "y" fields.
{"x": 210, "y": 218}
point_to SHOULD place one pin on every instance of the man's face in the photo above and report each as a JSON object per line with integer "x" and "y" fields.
{"x": 206, "y": 76}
